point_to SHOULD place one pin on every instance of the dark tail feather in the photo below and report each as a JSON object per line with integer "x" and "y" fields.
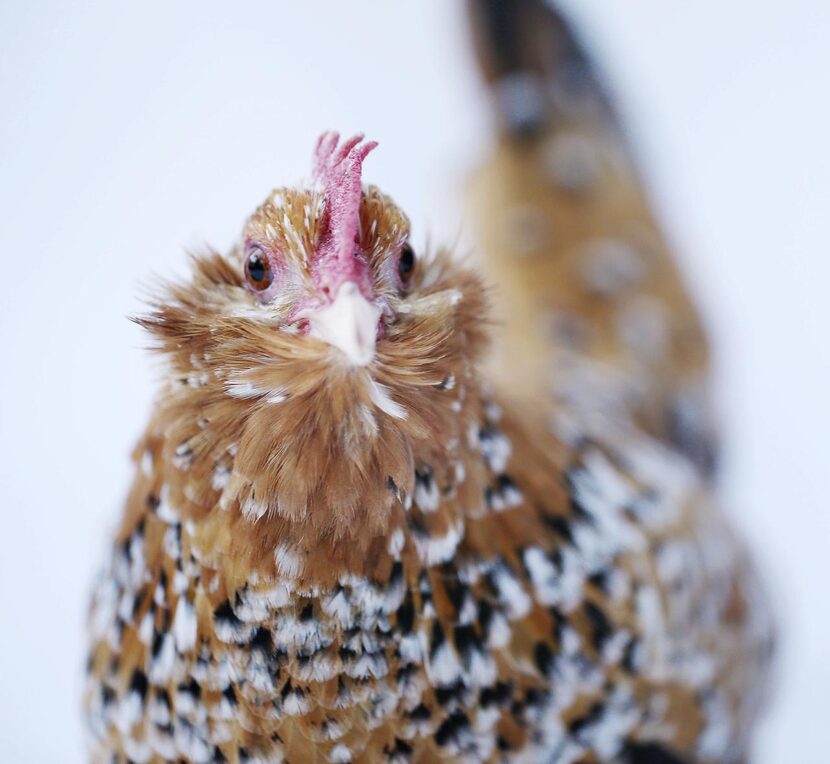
{"x": 531, "y": 55}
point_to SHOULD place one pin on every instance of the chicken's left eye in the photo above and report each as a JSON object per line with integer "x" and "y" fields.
{"x": 406, "y": 265}
{"x": 258, "y": 270}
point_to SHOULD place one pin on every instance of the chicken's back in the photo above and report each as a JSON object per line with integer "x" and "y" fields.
{"x": 597, "y": 334}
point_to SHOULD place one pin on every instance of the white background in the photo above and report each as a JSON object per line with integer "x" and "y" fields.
{"x": 131, "y": 130}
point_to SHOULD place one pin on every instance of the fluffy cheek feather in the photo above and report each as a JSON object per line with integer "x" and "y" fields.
{"x": 278, "y": 432}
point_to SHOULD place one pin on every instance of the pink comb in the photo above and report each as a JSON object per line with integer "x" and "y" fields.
{"x": 338, "y": 168}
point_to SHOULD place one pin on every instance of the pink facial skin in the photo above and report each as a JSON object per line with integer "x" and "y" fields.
{"x": 338, "y": 259}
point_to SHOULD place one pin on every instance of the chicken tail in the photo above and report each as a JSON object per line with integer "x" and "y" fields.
{"x": 594, "y": 317}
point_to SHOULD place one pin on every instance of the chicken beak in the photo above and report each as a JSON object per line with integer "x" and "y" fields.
{"x": 349, "y": 323}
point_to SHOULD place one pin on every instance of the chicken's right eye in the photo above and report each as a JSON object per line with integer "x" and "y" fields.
{"x": 258, "y": 271}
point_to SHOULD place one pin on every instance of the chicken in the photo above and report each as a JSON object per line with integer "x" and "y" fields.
{"x": 346, "y": 542}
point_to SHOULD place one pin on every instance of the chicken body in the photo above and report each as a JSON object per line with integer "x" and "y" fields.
{"x": 328, "y": 558}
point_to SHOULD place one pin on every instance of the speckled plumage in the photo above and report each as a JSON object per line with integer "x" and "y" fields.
{"x": 404, "y": 562}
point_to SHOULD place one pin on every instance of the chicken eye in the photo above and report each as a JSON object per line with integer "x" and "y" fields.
{"x": 258, "y": 270}
{"x": 406, "y": 265}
